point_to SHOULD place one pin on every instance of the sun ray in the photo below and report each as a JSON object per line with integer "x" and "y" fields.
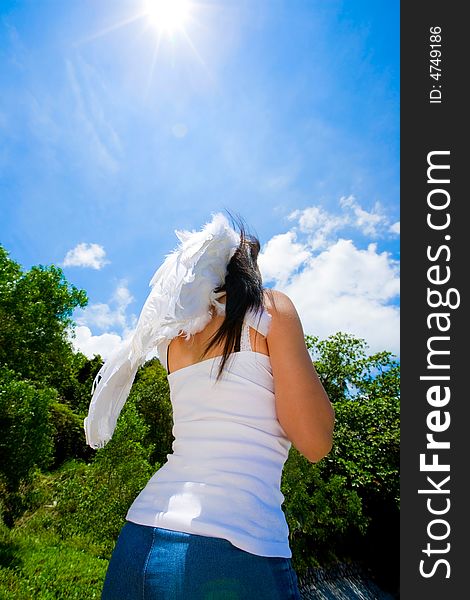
{"x": 196, "y": 53}
{"x": 153, "y": 62}
{"x": 111, "y": 28}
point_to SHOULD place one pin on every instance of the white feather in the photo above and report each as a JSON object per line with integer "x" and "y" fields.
{"x": 179, "y": 301}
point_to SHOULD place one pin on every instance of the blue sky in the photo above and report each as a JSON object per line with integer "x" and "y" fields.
{"x": 115, "y": 131}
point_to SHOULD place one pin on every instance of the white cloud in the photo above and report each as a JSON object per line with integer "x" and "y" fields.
{"x": 322, "y": 226}
{"x": 282, "y": 177}
{"x": 102, "y": 316}
{"x": 281, "y": 257}
{"x": 277, "y": 182}
{"x": 336, "y": 285}
{"x": 369, "y": 223}
{"x": 86, "y": 255}
{"x": 111, "y": 314}
{"x": 395, "y": 228}
{"x": 105, "y": 316}
{"x": 89, "y": 344}
{"x": 350, "y": 290}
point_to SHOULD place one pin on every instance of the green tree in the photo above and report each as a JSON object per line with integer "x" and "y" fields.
{"x": 25, "y": 436}
{"x": 347, "y": 371}
{"x": 38, "y": 368}
{"x": 75, "y": 390}
{"x": 365, "y": 391}
{"x": 151, "y": 394}
{"x": 320, "y": 509}
{"x": 68, "y": 435}
{"x": 36, "y": 309}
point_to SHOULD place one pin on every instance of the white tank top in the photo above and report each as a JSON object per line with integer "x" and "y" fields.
{"x": 223, "y": 477}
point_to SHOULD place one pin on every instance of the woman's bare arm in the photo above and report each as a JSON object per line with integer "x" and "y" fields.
{"x": 303, "y": 407}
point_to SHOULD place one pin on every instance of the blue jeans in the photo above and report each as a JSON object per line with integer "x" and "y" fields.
{"x": 151, "y": 563}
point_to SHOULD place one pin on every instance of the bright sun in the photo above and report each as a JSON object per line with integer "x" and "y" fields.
{"x": 167, "y": 15}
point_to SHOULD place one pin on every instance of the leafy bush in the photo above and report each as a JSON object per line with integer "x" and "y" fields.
{"x": 151, "y": 394}
{"x": 91, "y": 500}
{"x": 365, "y": 391}
{"x": 67, "y": 428}
{"x": 26, "y": 436}
{"x": 366, "y": 446}
{"x": 318, "y": 510}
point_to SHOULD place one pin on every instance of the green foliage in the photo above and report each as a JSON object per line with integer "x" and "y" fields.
{"x": 61, "y": 547}
{"x": 363, "y": 463}
{"x": 68, "y": 435}
{"x": 365, "y": 391}
{"x": 319, "y": 510}
{"x": 75, "y": 388}
{"x": 26, "y": 435}
{"x": 38, "y": 368}
{"x": 385, "y": 383}
{"x": 92, "y": 499}
{"x": 152, "y": 397}
{"x": 366, "y": 447}
{"x": 43, "y": 567}
{"x": 77, "y": 392}
{"x": 35, "y": 315}
{"x": 346, "y": 370}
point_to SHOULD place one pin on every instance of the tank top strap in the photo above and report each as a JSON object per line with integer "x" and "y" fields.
{"x": 162, "y": 352}
{"x": 245, "y": 343}
{"x": 259, "y": 320}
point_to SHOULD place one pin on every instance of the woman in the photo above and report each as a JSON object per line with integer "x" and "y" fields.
{"x": 209, "y": 523}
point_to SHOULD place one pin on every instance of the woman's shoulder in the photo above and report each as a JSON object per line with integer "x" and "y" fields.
{"x": 284, "y": 318}
{"x": 278, "y": 303}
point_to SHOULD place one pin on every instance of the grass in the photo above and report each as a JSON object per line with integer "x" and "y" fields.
{"x": 44, "y": 567}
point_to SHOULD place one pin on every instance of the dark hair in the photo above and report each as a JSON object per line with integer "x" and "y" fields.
{"x": 244, "y": 291}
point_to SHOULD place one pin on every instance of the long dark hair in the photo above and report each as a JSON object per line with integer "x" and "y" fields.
{"x": 244, "y": 291}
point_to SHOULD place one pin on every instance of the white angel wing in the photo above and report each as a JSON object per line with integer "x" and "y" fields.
{"x": 111, "y": 389}
{"x": 178, "y": 302}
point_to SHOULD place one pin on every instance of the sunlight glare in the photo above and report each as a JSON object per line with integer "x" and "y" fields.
{"x": 167, "y": 15}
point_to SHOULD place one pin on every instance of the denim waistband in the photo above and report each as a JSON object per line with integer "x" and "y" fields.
{"x": 150, "y": 563}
